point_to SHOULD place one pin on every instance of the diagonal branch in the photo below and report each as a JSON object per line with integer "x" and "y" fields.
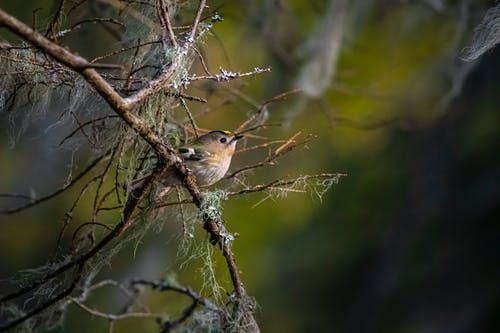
{"x": 81, "y": 126}
{"x": 286, "y": 147}
{"x": 127, "y": 218}
{"x": 122, "y": 106}
{"x": 164, "y": 17}
{"x": 263, "y": 107}
{"x": 167, "y": 157}
{"x": 197, "y": 20}
{"x": 57, "y": 192}
{"x": 9, "y": 325}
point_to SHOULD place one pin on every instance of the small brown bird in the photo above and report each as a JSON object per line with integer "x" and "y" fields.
{"x": 208, "y": 157}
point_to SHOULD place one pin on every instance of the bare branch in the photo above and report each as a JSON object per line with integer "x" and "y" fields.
{"x": 7, "y": 326}
{"x": 81, "y": 226}
{"x": 228, "y": 75}
{"x": 196, "y": 21}
{"x": 133, "y": 201}
{"x": 57, "y": 192}
{"x": 263, "y": 107}
{"x": 110, "y": 316}
{"x": 186, "y": 97}
{"x": 68, "y": 216}
{"x": 54, "y": 21}
{"x": 280, "y": 183}
{"x": 81, "y": 126}
{"x": 190, "y": 116}
{"x": 16, "y": 196}
{"x": 167, "y": 157}
{"x": 162, "y": 285}
{"x": 164, "y": 17}
{"x": 125, "y": 49}
{"x": 286, "y": 147}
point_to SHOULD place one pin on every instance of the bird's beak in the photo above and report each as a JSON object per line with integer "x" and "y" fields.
{"x": 237, "y": 137}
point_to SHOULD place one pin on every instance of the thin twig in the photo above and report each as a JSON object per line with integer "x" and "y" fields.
{"x": 132, "y": 203}
{"x": 16, "y": 196}
{"x": 135, "y": 14}
{"x": 186, "y": 96}
{"x": 101, "y": 180}
{"x": 163, "y": 15}
{"x": 57, "y": 192}
{"x": 68, "y": 216}
{"x": 81, "y": 226}
{"x": 111, "y": 316}
{"x": 260, "y": 146}
{"x": 228, "y": 75}
{"x": 125, "y": 49}
{"x": 53, "y": 22}
{"x": 286, "y": 147}
{"x": 256, "y": 127}
{"x": 7, "y": 326}
{"x": 167, "y": 157}
{"x": 196, "y": 21}
{"x": 190, "y": 116}
{"x": 162, "y": 285}
{"x": 202, "y": 61}
{"x": 263, "y": 107}
{"x": 279, "y": 183}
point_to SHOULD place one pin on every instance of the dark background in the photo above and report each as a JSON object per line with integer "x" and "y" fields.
{"x": 408, "y": 242}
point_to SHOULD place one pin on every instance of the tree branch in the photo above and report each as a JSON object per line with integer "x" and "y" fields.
{"x": 131, "y": 205}
{"x": 164, "y": 17}
{"x": 55, "y": 193}
{"x": 196, "y": 21}
{"x": 124, "y": 107}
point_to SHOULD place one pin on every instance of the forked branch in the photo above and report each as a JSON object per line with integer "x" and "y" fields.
{"x": 124, "y": 107}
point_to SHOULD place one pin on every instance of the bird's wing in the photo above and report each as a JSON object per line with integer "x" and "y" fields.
{"x": 193, "y": 154}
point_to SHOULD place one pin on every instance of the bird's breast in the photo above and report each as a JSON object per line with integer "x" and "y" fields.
{"x": 209, "y": 172}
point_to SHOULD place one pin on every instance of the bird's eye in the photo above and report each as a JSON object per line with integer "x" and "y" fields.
{"x": 223, "y": 140}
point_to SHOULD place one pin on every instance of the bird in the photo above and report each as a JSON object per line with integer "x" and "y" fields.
{"x": 208, "y": 157}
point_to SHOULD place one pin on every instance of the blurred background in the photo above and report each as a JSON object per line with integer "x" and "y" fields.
{"x": 409, "y": 241}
